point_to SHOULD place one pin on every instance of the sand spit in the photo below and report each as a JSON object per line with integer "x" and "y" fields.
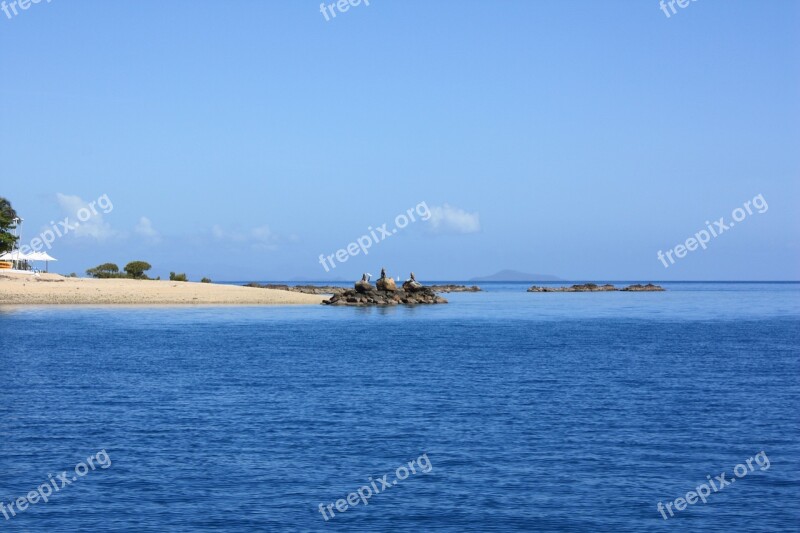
{"x": 25, "y": 289}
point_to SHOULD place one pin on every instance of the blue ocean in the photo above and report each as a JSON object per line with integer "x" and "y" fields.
{"x": 501, "y": 411}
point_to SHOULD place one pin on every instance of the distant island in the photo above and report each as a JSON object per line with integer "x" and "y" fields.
{"x": 515, "y": 275}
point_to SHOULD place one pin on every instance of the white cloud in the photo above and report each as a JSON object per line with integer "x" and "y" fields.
{"x": 145, "y": 229}
{"x": 446, "y": 218}
{"x": 264, "y": 239}
{"x": 262, "y": 234}
{"x": 260, "y": 237}
{"x": 230, "y": 236}
{"x": 92, "y": 226}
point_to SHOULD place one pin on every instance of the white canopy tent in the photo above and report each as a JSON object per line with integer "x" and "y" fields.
{"x": 41, "y": 256}
{"x": 14, "y": 255}
{"x": 17, "y": 255}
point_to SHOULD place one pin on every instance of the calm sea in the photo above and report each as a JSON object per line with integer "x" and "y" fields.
{"x": 529, "y": 412}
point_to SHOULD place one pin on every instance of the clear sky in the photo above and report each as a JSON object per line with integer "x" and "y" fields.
{"x": 242, "y": 139}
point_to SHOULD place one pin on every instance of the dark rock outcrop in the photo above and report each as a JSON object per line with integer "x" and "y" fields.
{"x": 423, "y": 295}
{"x": 411, "y": 284}
{"x": 363, "y": 285}
{"x": 305, "y": 289}
{"x": 588, "y": 287}
{"x": 592, "y": 287}
{"x": 643, "y": 288}
{"x": 454, "y": 288}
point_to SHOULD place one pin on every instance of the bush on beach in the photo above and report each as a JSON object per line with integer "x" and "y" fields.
{"x": 177, "y": 277}
{"x": 106, "y": 270}
{"x": 134, "y": 269}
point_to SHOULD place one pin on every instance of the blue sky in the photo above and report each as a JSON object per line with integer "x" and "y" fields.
{"x": 242, "y": 139}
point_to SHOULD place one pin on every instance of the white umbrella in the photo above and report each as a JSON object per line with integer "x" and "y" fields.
{"x": 41, "y": 256}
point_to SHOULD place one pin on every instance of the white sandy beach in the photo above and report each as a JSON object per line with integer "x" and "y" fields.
{"x": 24, "y": 289}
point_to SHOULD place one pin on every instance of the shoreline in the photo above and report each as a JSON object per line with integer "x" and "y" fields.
{"x": 54, "y": 289}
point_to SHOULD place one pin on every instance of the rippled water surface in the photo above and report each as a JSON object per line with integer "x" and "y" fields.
{"x": 577, "y": 412}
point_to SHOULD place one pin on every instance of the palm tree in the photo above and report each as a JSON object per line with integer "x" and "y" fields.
{"x": 7, "y": 222}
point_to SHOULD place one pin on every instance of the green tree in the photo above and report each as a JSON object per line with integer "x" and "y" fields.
{"x": 106, "y": 270}
{"x": 137, "y": 269}
{"x": 7, "y": 216}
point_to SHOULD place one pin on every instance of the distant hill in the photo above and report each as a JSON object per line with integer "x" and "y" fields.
{"x": 515, "y": 275}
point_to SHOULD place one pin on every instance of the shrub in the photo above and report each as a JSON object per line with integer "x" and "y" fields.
{"x": 137, "y": 269}
{"x": 205, "y": 280}
{"x": 177, "y": 277}
{"x": 106, "y": 270}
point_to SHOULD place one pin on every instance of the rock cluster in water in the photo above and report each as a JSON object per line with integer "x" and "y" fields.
{"x": 592, "y": 287}
{"x": 643, "y": 288}
{"x": 454, "y": 288}
{"x": 385, "y": 292}
{"x": 306, "y": 289}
